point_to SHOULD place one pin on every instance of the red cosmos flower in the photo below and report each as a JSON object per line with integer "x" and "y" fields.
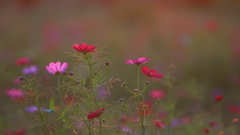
{"x": 150, "y": 72}
{"x": 138, "y": 61}
{"x": 22, "y": 61}
{"x": 206, "y": 130}
{"x": 95, "y": 114}
{"x": 219, "y": 98}
{"x": 84, "y": 48}
{"x": 18, "y": 132}
{"x": 158, "y": 124}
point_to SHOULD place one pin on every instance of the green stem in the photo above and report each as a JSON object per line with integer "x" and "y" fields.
{"x": 138, "y": 77}
{"x": 41, "y": 116}
{"x": 151, "y": 110}
{"x": 59, "y": 88}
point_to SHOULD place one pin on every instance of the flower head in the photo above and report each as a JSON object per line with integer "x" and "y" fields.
{"x": 32, "y": 109}
{"x": 56, "y": 68}
{"x": 22, "y": 61}
{"x": 138, "y": 61}
{"x": 95, "y": 114}
{"x": 15, "y": 93}
{"x": 219, "y": 98}
{"x": 30, "y": 70}
{"x": 150, "y": 72}
{"x": 84, "y": 48}
{"x": 157, "y": 94}
{"x": 158, "y": 124}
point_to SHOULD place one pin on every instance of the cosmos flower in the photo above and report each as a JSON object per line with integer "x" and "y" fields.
{"x": 95, "y": 114}
{"x": 150, "y": 72}
{"x": 138, "y": 61}
{"x": 157, "y": 94}
{"x": 158, "y": 124}
{"x": 84, "y": 48}
{"x": 15, "y": 93}
{"x": 219, "y": 98}
{"x": 56, "y": 68}
{"x": 126, "y": 129}
{"x": 22, "y": 61}
{"x": 18, "y": 132}
{"x": 32, "y": 109}
{"x": 102, "y": 93}
{"x": 30, "y": 70}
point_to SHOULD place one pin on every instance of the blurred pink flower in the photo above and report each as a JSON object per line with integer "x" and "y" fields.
{"x": 17, "y": 81}
{"x": 15, "y": 93}
{"x": 158, "y": 124}
{"x": 22, "y": 61}
{"x": 211, "y": 25}
{"x": 56, "y": 68}
{"x": 138, "y": 61}
{"x": 157, "y": 94}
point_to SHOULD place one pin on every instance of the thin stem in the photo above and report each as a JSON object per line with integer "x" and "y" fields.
{"x": 151, "y": 110}
{"x": 59, "y": 88}
{"x": 138, "y": 77}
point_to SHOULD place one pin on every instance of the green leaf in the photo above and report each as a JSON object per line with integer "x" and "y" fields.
{"x": 52, "y": 103}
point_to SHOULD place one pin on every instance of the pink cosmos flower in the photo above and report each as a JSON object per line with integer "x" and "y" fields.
{"x": 22, "y": 61}
{"x": 157, "y": 94}
{"x": 56, "y": 68}
{"x": 15, "y": 93}
{"x": 138, "y": 61}
{"x": 150, "y": 72}
{"x": 84, "y": 48}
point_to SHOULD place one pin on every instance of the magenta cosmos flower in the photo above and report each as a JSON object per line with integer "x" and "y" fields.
{"x": 15, "y": 93}
{"x": 150, "y": 72}
{"x": 138, "y": 61}
{"x": 157, "y": 94}
{"x": 84, "y": 48}
{"x": 56, "y": 68}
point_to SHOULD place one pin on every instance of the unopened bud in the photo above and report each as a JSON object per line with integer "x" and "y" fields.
{"x": 120, "y": 100}
{"x": 77, "y": 81}
{"x": 147, "y": 82}
{"x": 95, "y": 73}
{"x": 71, "y": 73}
{"x": 107, "y": 63}
{"x": 103, "y": 120}
{"x": 30, "y": 80}
{"x": 123, "y": 84}
{"x": 144, "y": 106}
{"x": 136, "y": 90}
{"x": 21, "y": 78}
{"x": 77, "y": 105}
{"x": 64, "y": 72}
{"x": 159, "y": 101}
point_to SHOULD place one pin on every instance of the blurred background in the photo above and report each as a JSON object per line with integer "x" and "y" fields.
{"x": 198, "y": 40}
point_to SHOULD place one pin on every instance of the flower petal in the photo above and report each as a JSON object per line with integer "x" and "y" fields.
{"x": 52, "y": 65}
{"x": 63, "y": 67}
{"x": 58, "y": 66}
{"x": 50, "y": 70}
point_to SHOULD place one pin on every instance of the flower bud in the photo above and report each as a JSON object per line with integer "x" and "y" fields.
{"x": 120, "y": 100}
{"x": 77, "y": 81}
{"x": 159, "y": 101}
{"x": 21, "y": 78}
{"x": 64, "y": 73}
{"x": 147, "y": 82}
{"x": 95, "y": 73}
{"x": 135, "y": 90}
{"x": 71, "y": 73}
{"x": 123, "y": 84}
{"x": 107, "y": 63}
